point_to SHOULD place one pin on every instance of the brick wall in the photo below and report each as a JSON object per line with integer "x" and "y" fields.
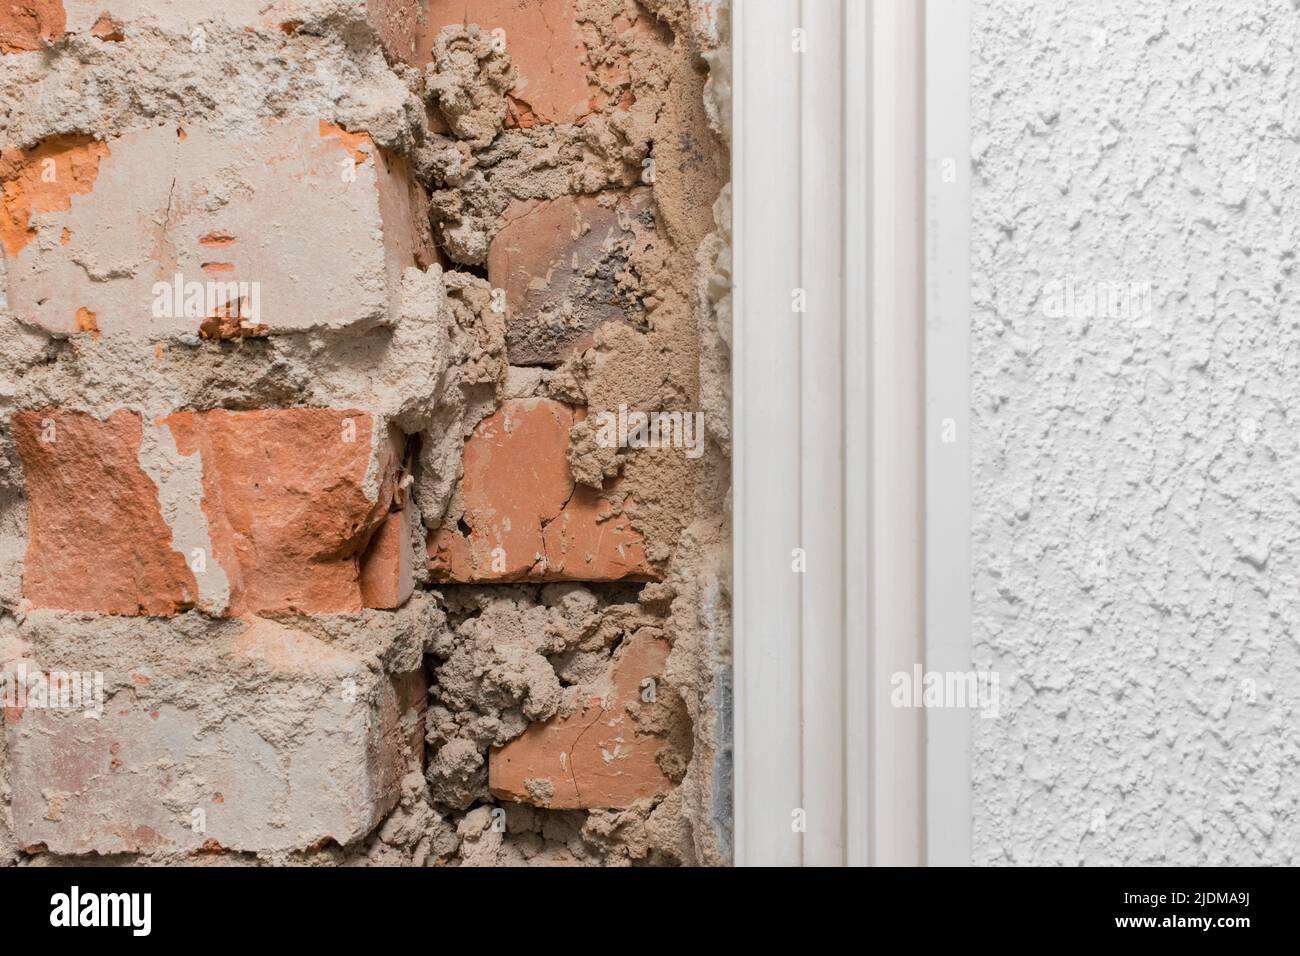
{"x": 363, "y": 457}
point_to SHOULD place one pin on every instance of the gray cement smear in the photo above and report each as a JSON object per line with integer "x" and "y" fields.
{"x": 496, "y": 657}
{"x": 1136, "y": 507}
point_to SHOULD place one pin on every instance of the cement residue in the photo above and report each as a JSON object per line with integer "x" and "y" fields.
{"x": 494, "y": 673}
{"x": 152, "y": 77}
{"x": 477, "y": 172}
{"x": 713, "y": 297}
{"x": 468, "y": 79}
{"x": 469, "y": 391}
{"x": 590, "y": 460}
{"x": 180, "y": 490}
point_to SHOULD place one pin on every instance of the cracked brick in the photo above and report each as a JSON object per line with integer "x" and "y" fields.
{"x": 596, "y": 756}
{"x": 525, "y": 518}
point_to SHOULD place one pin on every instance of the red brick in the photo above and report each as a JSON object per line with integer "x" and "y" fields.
{"x": 595, "y": 757}
{"x": 290, "y": 500}
{"x": 387, "y": 567}
{"x": 562, "y": 264}
{"x": 146, "y": 197}
{"x": 32, "y": 186}
{"x": 96, "y": 536}
{"x": 312, "y": 748}
{"x": 26, "y": 25}
{"x": 546, "y": 46}
{"x": 284, "y": 492}
{"x": 526, "y": 518}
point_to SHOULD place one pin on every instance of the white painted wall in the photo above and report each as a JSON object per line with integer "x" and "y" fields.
{"x": 1136, "y": 480}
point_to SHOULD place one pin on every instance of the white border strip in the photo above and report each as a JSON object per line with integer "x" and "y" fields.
{"x": 947, "y": 359}
{"x": 897, "y": 460}
{"x": 766, "y": 410}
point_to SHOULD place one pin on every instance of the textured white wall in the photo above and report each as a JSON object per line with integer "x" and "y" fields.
{"x": 1136, "y": 551}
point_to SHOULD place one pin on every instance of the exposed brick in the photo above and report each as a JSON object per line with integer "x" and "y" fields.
{"x": 41, "y": 180}
{"x": 397, "y": 23}
{"x": 387, "y": 567}
{"x": 595, "y": 757}
{"x": 287, "y": 504}
{"x": 524, "y": 517}
{"x": 290, "y": 499}
{"x": 218, "y": 211}
{"x": 546, "y": 45}
{"x": 315, "y": 754}
{"x": 26, "y": 25}
{"x": 563, "y": 264}
{"x": 96, "y": 536}
{"x": 107, "y": 29}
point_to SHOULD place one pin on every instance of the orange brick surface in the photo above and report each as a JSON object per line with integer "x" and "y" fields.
{"x": 563, "y": 264}
{"x": 27, "y": 25}
{"x": 285, "y": 498}
{"x": 595, "y": 757}
{"x": 387, "y": 567}
{"x": 291, "y": 498}
{"x": 96, "y": 536}
{"x": 545, "y": 44}
{"x": 525, "y": 518}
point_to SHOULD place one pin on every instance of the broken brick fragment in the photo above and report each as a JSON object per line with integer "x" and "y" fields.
{"x": 97, "y": 540}
{"x": 545, "y": 43}
{"x": 564, "y": 265}
{"x": 85, "y": 320}
{"x": 525, "y": 518}
{"x": 27, "y": 25}
{"x": 596, "y": 757}
{"x": 107, "y": 29}
{"x": 43, "y": 179}
{"x": 387, "y": 567}
{"x": 287, "y": 502}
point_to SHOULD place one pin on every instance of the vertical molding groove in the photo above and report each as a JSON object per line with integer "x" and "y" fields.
{"x": 829, "y": 409}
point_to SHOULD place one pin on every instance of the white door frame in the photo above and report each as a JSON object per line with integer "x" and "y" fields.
{"x": 844, "y": 363}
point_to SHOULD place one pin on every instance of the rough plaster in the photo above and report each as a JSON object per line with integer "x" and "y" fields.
{"x": 1136, "y": 506}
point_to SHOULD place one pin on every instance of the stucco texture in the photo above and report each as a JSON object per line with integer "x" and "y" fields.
{"x": 1136, "y": 500}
